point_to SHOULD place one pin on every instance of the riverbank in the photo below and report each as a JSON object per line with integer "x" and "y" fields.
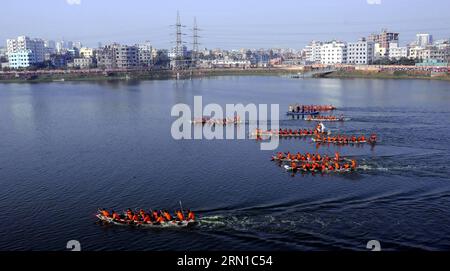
{"x": 117, "y": 75}
{"x": 100, "y": 75}
{"x": 427, "y": 75}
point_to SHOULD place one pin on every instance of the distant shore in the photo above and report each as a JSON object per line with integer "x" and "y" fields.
{"x": 388, "y": 75}
{"x": 100, "y": 75}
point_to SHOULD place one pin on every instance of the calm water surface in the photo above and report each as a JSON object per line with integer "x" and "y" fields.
{"x": 67, "y": 149}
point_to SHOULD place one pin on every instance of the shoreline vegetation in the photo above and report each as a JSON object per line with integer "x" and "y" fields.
{"x": 115, "y": 75}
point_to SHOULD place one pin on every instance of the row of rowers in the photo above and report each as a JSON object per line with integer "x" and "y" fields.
{"x": 307, "y": 157}
{"x": 149, "y": 217}
{"x": 289, "y": 132}
{"x": 345, "y": 138}
{"x": 324, "y": 166}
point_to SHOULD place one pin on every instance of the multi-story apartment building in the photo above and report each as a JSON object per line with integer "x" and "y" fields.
{"x": 360, "y": 52}
{"x": 86, "y": 52}
{"x": 380, "y": 52}
{"x": 31, "y": 51}
{"x": 106, "y": 56}
{"x": 83, "y": 62}
{"x": 334, "y": 52}
{"x": 118, "y": 56}
{"x": 178, "y": 52}
{"x": 312, "y": 52}
{"x": 127, "y": 57}
{"x": 21, "y": 59}
{"x": 396, "y": 52}
{"x": 145, "y": 54}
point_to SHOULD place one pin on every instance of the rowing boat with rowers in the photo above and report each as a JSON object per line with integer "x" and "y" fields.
{"x": 327, "y": 119}
{"x": 303, "y": 113}
{"x": 216, "y": 122}
{"x": 343, "y": 142}
{"x": 164, "y": 224}
{"x": 311, "y": 108}
{"x": 290, "y": 160}
{"x": 296, "y": 133}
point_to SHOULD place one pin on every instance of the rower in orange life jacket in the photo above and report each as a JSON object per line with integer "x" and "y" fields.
{"x": 180, "y": 215}
{"x": 353, "y": 165}
{"x": 159, "y": 219}
{"x": 167, "y": 215}
{"x": 105, "y": 213}
{"x": 147, "y": 219}
{"x": 294, "y": 166}
{"x": 191, "y": 216}
{"x": 337, "y": 166}
{"x": 135, "y": 218}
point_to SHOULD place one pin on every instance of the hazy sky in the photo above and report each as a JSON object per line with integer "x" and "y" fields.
{"x": 227, "y": 24}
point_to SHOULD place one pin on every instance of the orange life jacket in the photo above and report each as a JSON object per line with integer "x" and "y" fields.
{"x": 180, "y": 216}
{"x": 167, "y": 216}
{"x": 105, "y": 213}
{"x": 160, "y": 219}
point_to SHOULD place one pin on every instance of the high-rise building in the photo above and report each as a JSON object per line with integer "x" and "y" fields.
{"x": 423, "y": 40}
{"x": 50, "y": 46}
{"x": 78, "y": 45}
{"x": 31, "y": 51}
{"x": 384, "y": 38}
{"x": 360, "y": 52}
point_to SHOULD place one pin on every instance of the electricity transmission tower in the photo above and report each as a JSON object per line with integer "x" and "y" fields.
{"x": 195, "y": 47}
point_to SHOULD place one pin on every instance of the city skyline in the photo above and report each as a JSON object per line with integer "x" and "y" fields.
{"x": 253, "y": 26}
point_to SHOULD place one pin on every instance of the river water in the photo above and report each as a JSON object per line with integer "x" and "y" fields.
{"x": 67, "y": 149}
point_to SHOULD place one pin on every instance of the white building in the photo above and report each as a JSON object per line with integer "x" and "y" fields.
{"x": 334, "y": 52}
{"x": 423, "y": 40}
{"x": 360, "y": 52}
{"x": 21, "y": 59}
{"x": 24, "y": 52}
{"x": 178, "y": 52}
{"x": 396, "y": 52}
{"x": 313, "y": 52}
{"x": 86, "y": 52}
{"x": 380, "y": 51}
{"x": 413, "y": 52}
{"x": 82, "y": 63}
